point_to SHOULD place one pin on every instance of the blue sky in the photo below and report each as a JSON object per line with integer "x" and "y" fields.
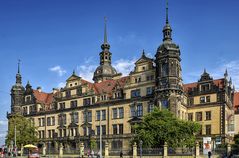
{"x": 54, "y": 37}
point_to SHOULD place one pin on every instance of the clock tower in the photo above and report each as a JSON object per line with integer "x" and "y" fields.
{"x": 169, "y": 88}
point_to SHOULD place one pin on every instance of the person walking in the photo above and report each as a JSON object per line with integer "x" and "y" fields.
{"x": 209, "y": 154}
{"x": 121, "y": 154}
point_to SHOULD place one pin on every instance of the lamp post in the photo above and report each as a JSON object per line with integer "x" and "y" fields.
{"x": 140, "y": 145}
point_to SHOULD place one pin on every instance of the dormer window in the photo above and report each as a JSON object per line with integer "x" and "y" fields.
{"x": 205, "y": 87}
{"x": 28, "y": 99}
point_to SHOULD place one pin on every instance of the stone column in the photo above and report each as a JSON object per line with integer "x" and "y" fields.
{"x": 229, "y": 149}
{"x": 135, "y": 150}
{"x": 60, "y": 150}
{"x": 165, "y": 150}
{"x": 106, "y": 150}
{"x": 81, "y": 150}
{"x": 197, "y": 151}
{"x": 44, "y": 149}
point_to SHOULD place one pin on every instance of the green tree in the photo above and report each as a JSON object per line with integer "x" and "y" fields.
{"x": 236, "y": 139}
{"x": 162, "y": 126}
{"x": 25, "y": 131}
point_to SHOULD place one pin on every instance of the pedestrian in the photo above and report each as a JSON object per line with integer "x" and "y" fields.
{"x": 209, "y": 154}
{"x": 121, "y": 154}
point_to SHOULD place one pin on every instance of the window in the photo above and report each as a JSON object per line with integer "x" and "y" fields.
{"x": 140, "y": 109}
{"x": 62, "y": 119}
{"x": 121, "y": 112}
{"x": 115, "y": 129}
{"x": 89, "y": 116}
{"x": 97, "y": 115}
{"x": 202, "y": 99}
{"x": 62, "y": 105}
{"x": 68, "y": 93}
{"x": 103, "y": 112}
{"x": 86, "y": 101}
{"x": 190, "y": 116}
{"x": 149, "y": 90}
{"x": 164, "y": 69}
{"x": 135, "y": 93}
{"x": 121, "y": 129}
{"x": 39, "y": 122}
{"x": 164, "y": 104}
{"x": 205, "y": 87}
{"x": 48, "y": 121}
{"x": 79, "y": 91}
{"x": 64, "y": 132}
{"x": 208, "y": 129}
{"x": 150, "y": 107}
{"x": 198, "y": 116}
{"x": 208, "y": 99}
{"x": 73, "y": 103}
{"x": 98, "y": 130}
{"x": 103, "y": 129}
{"x": 208, "y": 115}
{"x": 116, "y": 144}
{"x": 74, "y": 117}
{"x": 84, "y": 131}
{"x": 28, "y": 99}
{"x": 49, "y": 134}
{"x": 132, "y": 111}
{"x": 43, "y": 121}
{"x": 205, "y": 99}
{"x": 137, "y": 80}
{"x": 114, "y": 113}
{"x": 53, "y": 121}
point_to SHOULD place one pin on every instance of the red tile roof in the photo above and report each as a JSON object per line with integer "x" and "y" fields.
{"x": 236, "y": 99}
{"x": 108, "y": 85}
{"x": 188, "y": 87}
{"x": 42, "y": 97}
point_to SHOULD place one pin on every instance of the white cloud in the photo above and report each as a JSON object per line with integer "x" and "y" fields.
{"x": 61, "y": 85}
{"x": 124, "y": 66}
{"x": 3, "y": 122}
{"x": 60, "y": 71}
{"x": 86, "y": 70}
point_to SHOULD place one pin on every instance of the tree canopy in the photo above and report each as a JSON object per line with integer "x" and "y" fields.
{"x": 25, "y": 131}
{"x": 162, "y": 126}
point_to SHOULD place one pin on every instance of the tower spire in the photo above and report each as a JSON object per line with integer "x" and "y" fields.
{"x": 167, "y": 31}
{"x": 105, "y": 31}
{"x": 166, "y": 11}
{"x": 18, "y": 67}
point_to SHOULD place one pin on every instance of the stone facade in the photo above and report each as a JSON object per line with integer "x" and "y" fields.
{"x": 74, "y": 114}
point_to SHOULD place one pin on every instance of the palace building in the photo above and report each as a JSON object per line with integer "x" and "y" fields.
{"x": 113, "y": 103}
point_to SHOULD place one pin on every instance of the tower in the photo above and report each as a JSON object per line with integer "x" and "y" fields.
{"x": 17, "y": 93}
{"x": 169, "y": 88}
{"x": 105, "y": 71}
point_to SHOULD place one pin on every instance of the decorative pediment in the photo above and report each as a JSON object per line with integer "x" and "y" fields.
{"x": 143, "y": 59}
{"x": 73, "y": 77}
{"x": 135, "y": 120}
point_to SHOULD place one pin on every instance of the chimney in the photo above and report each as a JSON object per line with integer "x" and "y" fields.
{"x": 39, "y": 89}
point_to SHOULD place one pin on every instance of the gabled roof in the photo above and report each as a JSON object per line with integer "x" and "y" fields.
{"x": 143, "y": 59}
{"x": 188, "y": 87}
{"x": 42, "y": 97}
{"x": 236, "y": 99}
{"x": 73, "y": 77}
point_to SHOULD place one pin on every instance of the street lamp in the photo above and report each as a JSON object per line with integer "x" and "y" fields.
{"x": 140, "y": 145}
